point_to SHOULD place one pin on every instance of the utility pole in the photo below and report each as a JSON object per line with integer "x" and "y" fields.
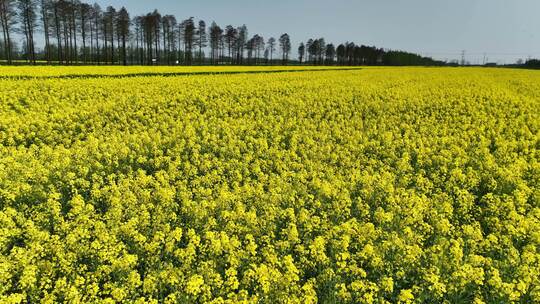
{"x": 484, "y": 59}
{"x": 463, "y": 57}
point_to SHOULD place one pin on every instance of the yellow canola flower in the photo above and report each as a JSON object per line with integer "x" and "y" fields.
{"x": 269, "y": 185}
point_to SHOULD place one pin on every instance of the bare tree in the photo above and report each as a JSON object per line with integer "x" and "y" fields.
{"x": 309, "y": 50}
{"x": 172, "y": 37}
{"x": 182, "y": 56}
{"x": 201, "y": 40}
{"x": 349, "y": 51}
{"x": 169, "y": 25}
{"x": 151, "y": 25}
{"x": 96, "y": 23}
{"x": 28, "y": 18}
{"x": 271, "y": 47}
{"x": 258, "y": 42}
{"x": 230, "y": 39}
{"x": 7, "y": 20}
{"x": 314, "y": 46}
{"x": 301, "y": 52}
{"x": 122, "y": 25}
{"x": 57, "y": 30}
{"x": 330, "y": 53}
{"x": 285, "y": 44}
{"x": 321, "y": 50}
{"x": 250, "y": 47}
{"x": 139, "y": 38}
{"x": 241, "y": 43}
{"x": 340, "y": 52}
{"x": 215, "y": 41}
{"x": 73, "y": 7}
{"x": 157, "y": 36}
{"x": 45, "y": 6}
{"x": 189, "y": 37}
{"x": 84, "y": 24}
{"x": 108, "y": 31}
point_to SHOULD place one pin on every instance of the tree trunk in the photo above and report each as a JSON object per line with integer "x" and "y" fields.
{"x": 83, "y": 33}
{"x": 46, "y": 31}
{"x": 112, "y": 44}
{"x": 124, "y": 49}
{"x": 58, "y": 36}
{"x": 74, "y": 30}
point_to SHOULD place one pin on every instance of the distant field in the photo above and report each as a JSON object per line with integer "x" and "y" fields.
{"x": 379, "y": 185}
{"x": 58, "y": 71}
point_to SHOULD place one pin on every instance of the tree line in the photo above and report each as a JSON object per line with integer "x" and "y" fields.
{"x": 532, "y": 63}
{"x": 74, "y": 32}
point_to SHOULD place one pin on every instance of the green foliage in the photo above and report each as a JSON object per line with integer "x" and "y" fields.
{"x": 374, "y": 186}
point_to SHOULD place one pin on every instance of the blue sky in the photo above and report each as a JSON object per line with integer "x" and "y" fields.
{"x": 503, "y": 29}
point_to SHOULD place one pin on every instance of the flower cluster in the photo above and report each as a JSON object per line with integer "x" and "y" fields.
{"x": 380, "y": 185}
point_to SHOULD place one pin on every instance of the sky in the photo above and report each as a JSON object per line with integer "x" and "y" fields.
{"x": 501, "y": 30}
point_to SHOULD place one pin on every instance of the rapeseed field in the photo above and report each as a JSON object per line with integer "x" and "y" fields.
{"x": 375, "y": 185}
